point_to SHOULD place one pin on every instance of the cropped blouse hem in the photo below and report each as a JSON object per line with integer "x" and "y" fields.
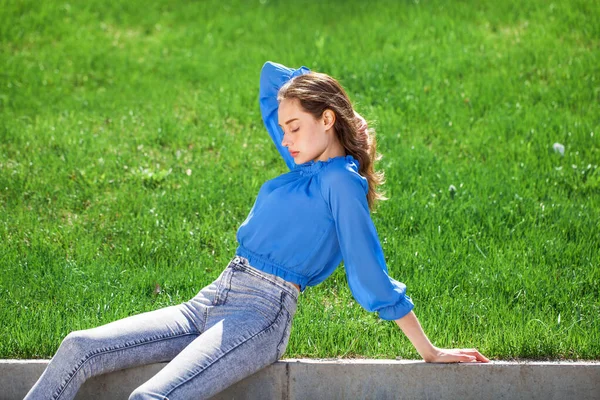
{"x": 269, "y": 267}
{"x": 397, "y": 311}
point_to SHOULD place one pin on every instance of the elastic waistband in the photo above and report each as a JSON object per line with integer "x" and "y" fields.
{"x": 243, "y": 263}
{"x": 269, "y": 267}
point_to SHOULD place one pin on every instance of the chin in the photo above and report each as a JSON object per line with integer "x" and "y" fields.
{"x": 300, "y": 160}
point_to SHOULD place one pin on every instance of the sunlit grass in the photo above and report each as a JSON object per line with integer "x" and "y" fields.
{"x": 131, "y": 149}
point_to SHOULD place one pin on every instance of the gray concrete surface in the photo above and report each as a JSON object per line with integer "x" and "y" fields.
{"x": 310, "y": 379}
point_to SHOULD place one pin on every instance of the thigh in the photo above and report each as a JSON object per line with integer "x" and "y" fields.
{"x": 139, "y": 339}
{"x": 149, "y": 337}
{"x": 245, "y": 333}
{"x": 223, "y": 355}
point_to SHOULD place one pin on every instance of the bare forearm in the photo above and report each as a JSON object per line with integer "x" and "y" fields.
{"x": 412, "y": 329}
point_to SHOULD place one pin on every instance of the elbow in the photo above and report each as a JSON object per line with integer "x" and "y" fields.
{"x": 267, "y": 71}
{"x": 268, "y": 80}
{"x": 267, "y": 65}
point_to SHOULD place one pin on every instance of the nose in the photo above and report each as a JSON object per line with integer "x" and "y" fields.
{"x": 285, "y": 141}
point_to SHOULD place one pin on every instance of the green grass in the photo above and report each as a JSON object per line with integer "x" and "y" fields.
{"x": 131, "y": 149}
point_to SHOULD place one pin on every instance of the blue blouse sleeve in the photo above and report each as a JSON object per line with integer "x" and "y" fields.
{"x": 272, "y": 77}
{"x": 366, "y": 270}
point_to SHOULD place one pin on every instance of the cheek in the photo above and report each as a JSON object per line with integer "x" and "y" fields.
{"x": 319, "y": 139}
{"x": 314, "y": 136}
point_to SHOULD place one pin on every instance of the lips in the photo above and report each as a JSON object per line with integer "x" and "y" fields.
{"x": 294, "y": 153}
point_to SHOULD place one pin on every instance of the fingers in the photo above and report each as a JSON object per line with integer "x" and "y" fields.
{"x": 465, "y": 358}
{"x": 458, "y": 358}
{"x": 459, "y": 355}
{"x": 473, "y": 355}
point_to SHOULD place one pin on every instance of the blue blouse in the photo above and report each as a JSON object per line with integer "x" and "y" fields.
{"x": 304, "y": 222}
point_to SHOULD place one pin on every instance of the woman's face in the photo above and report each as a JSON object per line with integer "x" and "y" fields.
{"x": 305, "y": 137}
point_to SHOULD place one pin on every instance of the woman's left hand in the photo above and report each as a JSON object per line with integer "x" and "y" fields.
{"x": 456, "y": 355}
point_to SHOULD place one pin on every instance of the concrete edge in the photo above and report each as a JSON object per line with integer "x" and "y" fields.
{"x": 354, "y": 378}
{"x": 368, "y": 361}
{"x": 353, "y": 361}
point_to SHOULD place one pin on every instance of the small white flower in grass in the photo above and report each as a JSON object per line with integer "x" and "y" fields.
{"x": 452, "y": 190}
{"x": 188, "y": 172}
{"x": 559, "y": 148}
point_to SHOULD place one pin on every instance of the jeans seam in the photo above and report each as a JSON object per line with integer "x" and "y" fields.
{"x": 223, "y": 288}
{"x": 269, "y": 326}
{"x": 205, "y": 319}
{"x": 228, "y": 286}
{"x": 61, "y": 390}
{"x": 277, "y": 354}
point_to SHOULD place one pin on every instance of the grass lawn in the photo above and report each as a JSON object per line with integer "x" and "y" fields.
{"x": 132, "y": 148}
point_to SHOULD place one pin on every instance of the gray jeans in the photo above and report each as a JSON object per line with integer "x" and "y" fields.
{"x": 235, "y": 326}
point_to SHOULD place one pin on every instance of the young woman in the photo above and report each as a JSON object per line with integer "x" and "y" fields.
{"x": 301, "y": 226}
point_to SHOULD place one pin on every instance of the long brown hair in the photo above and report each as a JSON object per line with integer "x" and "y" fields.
{"x": 317, "y": 92}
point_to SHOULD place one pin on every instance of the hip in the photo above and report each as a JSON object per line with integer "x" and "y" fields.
{"x": 242, "y": 263}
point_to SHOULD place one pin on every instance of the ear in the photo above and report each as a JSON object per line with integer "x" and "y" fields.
{"x": 328, "y": 119}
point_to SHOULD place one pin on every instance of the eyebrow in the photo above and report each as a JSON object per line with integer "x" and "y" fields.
{"x": 293, "y": 119}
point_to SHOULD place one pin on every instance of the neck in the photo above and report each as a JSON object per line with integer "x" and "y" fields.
{"x": 335, "y": 149}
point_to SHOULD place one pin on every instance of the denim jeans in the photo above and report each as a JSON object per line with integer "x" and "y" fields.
{"x": 232, "y": 328}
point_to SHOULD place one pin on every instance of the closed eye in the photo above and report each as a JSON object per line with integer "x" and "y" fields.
{"x": 295, "y": 130}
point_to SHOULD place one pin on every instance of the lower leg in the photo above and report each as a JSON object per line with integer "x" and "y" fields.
{"x": 141, "y": 339}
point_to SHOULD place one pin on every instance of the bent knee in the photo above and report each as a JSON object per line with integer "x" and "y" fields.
{"x": 76, "y": 342}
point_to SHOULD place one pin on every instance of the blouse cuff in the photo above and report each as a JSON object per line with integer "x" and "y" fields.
{"x": 397, "y": 311}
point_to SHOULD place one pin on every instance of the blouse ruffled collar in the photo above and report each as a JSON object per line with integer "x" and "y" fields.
{"x": 312, "y": 167}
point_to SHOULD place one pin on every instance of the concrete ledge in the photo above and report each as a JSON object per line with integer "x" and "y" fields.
{"x": 312, "y": 379}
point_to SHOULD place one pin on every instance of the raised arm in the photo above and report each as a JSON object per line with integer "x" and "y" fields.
{"x": 272, "y": 77}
